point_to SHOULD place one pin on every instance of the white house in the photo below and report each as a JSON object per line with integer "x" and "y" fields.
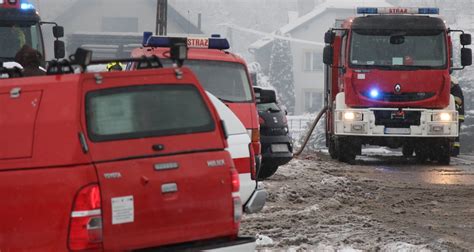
{"x": 307, "y": 42}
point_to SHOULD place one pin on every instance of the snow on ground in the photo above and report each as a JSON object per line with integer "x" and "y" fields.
{"x": 317, "y": 204}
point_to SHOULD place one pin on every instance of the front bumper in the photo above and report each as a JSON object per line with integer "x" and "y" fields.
{"x": 257, "y": 200}
{"x": 366, "y": 123}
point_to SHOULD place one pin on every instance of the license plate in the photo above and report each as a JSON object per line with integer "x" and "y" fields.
{"x": 402, "y": 131}
{"x": 280, "y": 148}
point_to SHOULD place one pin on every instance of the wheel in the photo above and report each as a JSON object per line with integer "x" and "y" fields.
{"x": 346, "y": 151}
{"x": 408, "y": 150}
{"x": 444, "y": 153}
{"x": 267, "y": 171}
{"x": 332, "y": 149}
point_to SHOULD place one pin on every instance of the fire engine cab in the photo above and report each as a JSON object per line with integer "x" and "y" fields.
{"x": 387, "y": 79}
{"x": 20, "y": 25}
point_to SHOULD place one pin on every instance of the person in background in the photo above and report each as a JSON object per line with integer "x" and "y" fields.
{"x": 456, "y": 91}
{"x": 114, "y": 67}
{"x": 30, "y": 60}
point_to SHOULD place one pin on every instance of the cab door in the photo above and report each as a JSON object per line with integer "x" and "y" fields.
{"x": 163, "y": 173}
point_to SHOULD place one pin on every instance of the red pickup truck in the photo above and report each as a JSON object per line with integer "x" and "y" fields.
{"x": 115, "y": 161}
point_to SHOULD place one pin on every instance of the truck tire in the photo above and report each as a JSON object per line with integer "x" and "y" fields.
{"x": 346, "y": 151}
{"x": 444, "y": 153}
{"x": 267, "y": 171}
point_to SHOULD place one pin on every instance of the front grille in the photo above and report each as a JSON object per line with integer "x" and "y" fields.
{"x": 395, "y": 119}
{"x": 272, "y": 131}
{"x": 403, "y": 97}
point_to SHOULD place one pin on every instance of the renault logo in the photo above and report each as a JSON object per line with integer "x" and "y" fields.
{"x": 398, "y": 88}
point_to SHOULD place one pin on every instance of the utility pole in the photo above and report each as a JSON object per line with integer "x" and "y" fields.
{"x": 161, "y": 17}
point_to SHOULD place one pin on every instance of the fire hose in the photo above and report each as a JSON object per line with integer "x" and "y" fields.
{"x": 311, "y": 129}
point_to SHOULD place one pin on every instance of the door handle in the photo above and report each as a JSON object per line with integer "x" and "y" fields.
{"x": 169, "y": 188}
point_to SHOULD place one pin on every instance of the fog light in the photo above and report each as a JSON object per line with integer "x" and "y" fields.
{"x": 442, "y": 117}
{"x": 349, "y": 116}
{"x": 445, "y": 117}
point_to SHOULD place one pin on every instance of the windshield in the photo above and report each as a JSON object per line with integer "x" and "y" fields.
{"x": 394, "y": 49}
{"x": 226, "y": 80}
{"x": 13, "y": 37}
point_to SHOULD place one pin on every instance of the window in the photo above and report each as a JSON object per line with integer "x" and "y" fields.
{"x": 15, "y": 36}
{"x": 226, "y": 80}
{"x": 313, "y": 101}
{"x": 312, "y": 61}
{"x": 146, "y": 111}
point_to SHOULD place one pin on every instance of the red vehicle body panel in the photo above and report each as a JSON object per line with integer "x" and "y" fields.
{"x": 436, "y": 81}
{"x": 41, "y": 177}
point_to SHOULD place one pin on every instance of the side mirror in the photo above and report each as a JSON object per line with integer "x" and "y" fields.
{"x": 465, "y": 39}
{"x": 466, "y": 56}
{"x": 59, "y": 49}
{"x": 58, "y": 31}
{"x": 328, "y": 55}
{"x": 329, "y": 37}
{"x": 264, "y": 95}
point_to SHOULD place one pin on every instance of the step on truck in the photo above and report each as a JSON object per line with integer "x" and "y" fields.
{"x": 387, "y": 81}
{"x": 224, "y": 75}
{"x": 20, "y": 24}
{"x": 115, "y": 161}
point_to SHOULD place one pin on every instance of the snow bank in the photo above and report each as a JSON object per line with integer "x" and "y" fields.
{"x": 404, "y": 247}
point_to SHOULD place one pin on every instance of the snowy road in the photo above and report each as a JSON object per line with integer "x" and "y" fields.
{"x": 381, "y": 203}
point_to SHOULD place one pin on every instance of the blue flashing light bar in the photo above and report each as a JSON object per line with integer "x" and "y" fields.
{"x": 397, "y": 10}
{"x": 215, "y": 42}
{"x": 365, "y": 10}
{"x": 27, "y": 6}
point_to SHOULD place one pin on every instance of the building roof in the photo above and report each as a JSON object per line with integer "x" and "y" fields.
{"x": 316, "y": 12}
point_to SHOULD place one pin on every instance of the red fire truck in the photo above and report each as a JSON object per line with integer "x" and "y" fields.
{"x": 20, "y": 25}
{"x": 387, "y": 79}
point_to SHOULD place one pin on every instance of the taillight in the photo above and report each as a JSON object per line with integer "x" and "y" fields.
{"x": 253, "y": 168}
{"x": 85, "y": 229}
{"x": 235, "y": 180}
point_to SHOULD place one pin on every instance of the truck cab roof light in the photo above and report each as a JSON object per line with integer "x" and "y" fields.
{"x": 397, "y": 10}
{"x": 27, "y": 6}
{"x": 192, "y": 42}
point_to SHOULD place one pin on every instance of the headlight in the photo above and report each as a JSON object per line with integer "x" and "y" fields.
{"x": 442, "y": 117}
{"x": 353, "y": 116}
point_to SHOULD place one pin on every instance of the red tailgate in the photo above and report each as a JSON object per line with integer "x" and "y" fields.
{"x": 163, "y": 173}
{"x": 165, "y": 200}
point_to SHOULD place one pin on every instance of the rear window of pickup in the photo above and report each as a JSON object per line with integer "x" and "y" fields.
{"x": 146, "y": 111}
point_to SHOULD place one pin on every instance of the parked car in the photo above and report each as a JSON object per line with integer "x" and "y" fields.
{"x": 115, "y": 161}
{"x": 277, "y": 148}
{"x": 252, "y": 193}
